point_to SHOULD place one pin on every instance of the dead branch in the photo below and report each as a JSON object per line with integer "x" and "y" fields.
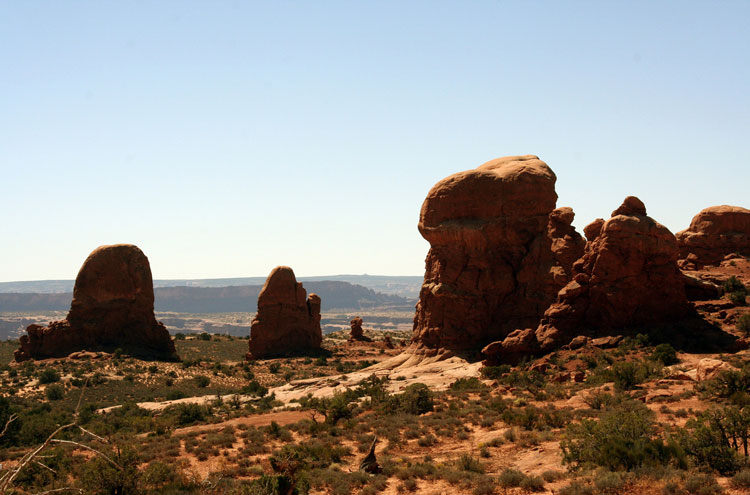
{"x": 12, "y": 418}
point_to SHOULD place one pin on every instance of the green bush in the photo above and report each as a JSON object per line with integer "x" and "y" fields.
{"x": 202, "y": 381}
{"x": 48, "y": 376}
{"x": 190, "y": 413}
{"x": 628, "y": 374}
{"x": 738, "y": 298}
{"x": 743, "y": 324}
{"x": 665, "y": 354}
{"x": 254, "y": 388}
{"x": 733, "y": 284}
{"x": 416, "y": 399}
{"x": 54, "y": 392}
{"x": 467, "y": 462}
{"x": 495, "y": 372}
{"x": 468, "y": 384}
{"x": 624, "y": 438}
{"x": 510, "y": 478}
{"x": 204, "y": 336}
{"x": 713, "y": 438}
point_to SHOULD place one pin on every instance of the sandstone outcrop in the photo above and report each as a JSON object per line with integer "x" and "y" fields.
{"x": 714, "y": 233}
{"x": 287, "y": 321}
{"x": 627, "y": 277}
{"x": 356, "y": 332}
{"x": 499, "y": 253}
{"x": 113, "y": 307}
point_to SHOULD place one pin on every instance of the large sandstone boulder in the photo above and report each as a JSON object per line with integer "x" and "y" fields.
{"x": 713, "y": 234}
{"x": 628, "y": 277}
{"x": 499, "y": 253}
{"x": 113, "y": 307}
{"x": 287, "y": 320}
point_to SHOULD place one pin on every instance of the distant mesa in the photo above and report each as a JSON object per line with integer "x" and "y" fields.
{"x": 714, "y": 233}
{"x": 499, "y": 253}
{"x": 287, "y": 321}
{"x": 113, "y": 307}
{"x": 627, "y": 277}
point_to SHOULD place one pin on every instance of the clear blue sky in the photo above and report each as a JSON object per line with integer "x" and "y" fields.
{"x": 225, "y": 138}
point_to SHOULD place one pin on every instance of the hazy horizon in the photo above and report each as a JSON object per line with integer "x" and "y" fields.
{"x": 227, "y": 138}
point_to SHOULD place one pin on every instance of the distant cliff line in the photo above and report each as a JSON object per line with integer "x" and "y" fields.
{"x": 242, "y": 298}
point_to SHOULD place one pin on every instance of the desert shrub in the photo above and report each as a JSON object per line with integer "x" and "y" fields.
{"x": 665, "y": 354}
{"x": 99, "y": 476}
{"x": 741, "y": 479}
{"x": 190, "y": 413}
{"x": 532, "y": 484}
{"x": 732, "y": 384}
{"x": 577, "y": 488}
{"x": 204, "y": 336}
{"x": 274, "y": 368}
{"x": 713, "y": 438}
{"x": 608, "y": 482}
{"x": 254, "y": 388}
{"x": 157, "y": 474}
{"x": 628, "y": 374}
{"x": 510, "y": 478}
{"x": 701, "y": 484}
{"x": 179, "y": 336}
{"x": 485, "y": 485}
{"x": 468, "y": 384}
{"x": 467, "y": 462}
{"x": 175, "y": 395}
{"x": 738, "y": 298}
{"x": 54, "y": 392}
{"x": 743, "y": 324}
{"x": 416, "y": 399}
{"x": 552, "y": 475}
{"x": 623, "y": 438}
{"x": 495, "y": 372}
{"x": 202, "y": 381}
{"x": 524, "y": 380}
{"x": 536, "y": 418}
{"x": 48, "y": 376}
{"x": 733, "y": 284}
{"x": 597, "y": 400}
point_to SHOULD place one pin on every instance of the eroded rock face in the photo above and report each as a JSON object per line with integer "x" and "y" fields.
{"x": 499, "y": 252}
{"x": 113, "y": 307}
{"x": 287, "y": 320}
{"x": 627, "y": 277}
{"x": 357, "y": 333}
{"x": 714, "y": 233}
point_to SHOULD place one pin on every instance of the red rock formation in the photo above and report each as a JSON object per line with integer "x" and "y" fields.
{"x": 627, "y": 277}
{"x": 113, "y": 306}
{"x": 498, "y": 255}
{"x": 356, "y": 332}
{"x": 714, "y": 233}
{"x": 287, "y": 320}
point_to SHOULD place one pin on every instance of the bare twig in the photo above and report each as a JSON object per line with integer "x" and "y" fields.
{"x": 59, "y": 490}
{"x": 46, "y": 467}
{"x": 6, "y": 481}
{"x": 103, "y": 440}
{"x": 12, "y": 418}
